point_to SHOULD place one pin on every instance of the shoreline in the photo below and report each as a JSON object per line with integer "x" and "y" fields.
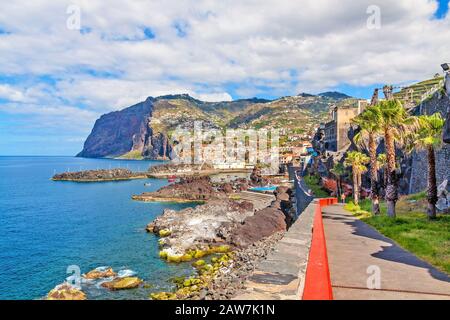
{"x": 165, "y": 200}
{"x": 101, "y": 180}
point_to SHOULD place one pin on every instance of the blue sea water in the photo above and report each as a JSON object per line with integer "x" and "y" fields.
{"x": 46, "y": 226}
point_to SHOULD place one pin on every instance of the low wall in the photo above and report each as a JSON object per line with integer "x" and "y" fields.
{"x": 317, "y": 280}
{"x": 302, "y": 198}
{"x": 281, "y": 275}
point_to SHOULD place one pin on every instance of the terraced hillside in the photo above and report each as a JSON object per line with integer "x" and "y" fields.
{"x": 417, "y": 92}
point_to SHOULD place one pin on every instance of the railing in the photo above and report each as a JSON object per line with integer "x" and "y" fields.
{"x": 317, "y": 280}
{"x": 302, "y": 196}
{"x": 432, "y": 91}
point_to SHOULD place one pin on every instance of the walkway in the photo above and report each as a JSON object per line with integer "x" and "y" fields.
{"x": 353, "y": 247}
{"x": 259, "y": 200}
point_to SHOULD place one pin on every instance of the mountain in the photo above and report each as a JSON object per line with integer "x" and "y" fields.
{"x": 143, "y": 130}
{"x": 334, "y": 95}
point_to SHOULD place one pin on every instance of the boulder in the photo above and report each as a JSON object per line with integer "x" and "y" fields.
{"x": 122, "y": 283}
{"x": 100, "y": 273}
{"x": 263, "y": 224}
{"x": 66, "y": 291}
{"x": 190, "y": 189}
{"x": 196, "y": 228}
{"x": 227, "y": 188}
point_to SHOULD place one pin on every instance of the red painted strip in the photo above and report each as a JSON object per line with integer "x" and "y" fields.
{"x": 317, "y": 280}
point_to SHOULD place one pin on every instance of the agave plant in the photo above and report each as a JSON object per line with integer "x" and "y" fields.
{"x": 357, "y": 161}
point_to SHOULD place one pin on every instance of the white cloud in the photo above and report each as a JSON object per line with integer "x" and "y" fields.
{"x": 213, "y": 97}
{"x": 274, "y": 47}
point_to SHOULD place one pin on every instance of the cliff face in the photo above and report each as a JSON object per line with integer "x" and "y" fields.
{"x": 124, "y": 132}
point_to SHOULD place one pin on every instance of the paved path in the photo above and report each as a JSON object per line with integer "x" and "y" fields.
{"x": 259, "y": 200}
{"x": 353, "y": 247}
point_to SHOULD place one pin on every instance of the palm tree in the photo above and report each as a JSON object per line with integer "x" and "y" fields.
{"x": 393, "y": 121}
{"x": 382, "y": 163}
{"x": 338, "y": 170}
{"x": 428, "y": 137}
{"x": 357, "y": 161}
{"x": 369, "y": 123}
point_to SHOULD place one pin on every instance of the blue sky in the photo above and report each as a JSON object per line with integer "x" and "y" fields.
{"x": 57, "y": 77}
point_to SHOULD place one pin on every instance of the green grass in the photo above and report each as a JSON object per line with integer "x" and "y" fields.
{"x": 313, "y": 183}
{"x": 132, "y": 155}
{"x": 429, "y": 240}
{"x": 417, "y": 196}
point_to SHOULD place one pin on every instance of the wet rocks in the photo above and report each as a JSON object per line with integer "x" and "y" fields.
{"x": 224, "y": 277}
{"x": 98, "y": 273}
{"x": 122, "y": 283}
{"x": 66, "y": 291}
{"x": 197, "y": 228}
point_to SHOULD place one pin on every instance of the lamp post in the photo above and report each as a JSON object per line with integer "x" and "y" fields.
{"x": 446, "y": 68}
{"x": 446, "y": 134}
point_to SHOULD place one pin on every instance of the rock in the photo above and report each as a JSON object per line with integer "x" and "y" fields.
{"x": 189, "y": 189}
{"x": 227, "y": 188}
{"x": 264, "y": 223}
{"x": 66, "y": 291}
{"x": 99, "y": 175}
{"x": 100, "y": 273}
{"x": 202, "y": 294}
{"x": 196, "y": 231}
{"x": 256, "y": 177}
{"x": 122, "y": 283}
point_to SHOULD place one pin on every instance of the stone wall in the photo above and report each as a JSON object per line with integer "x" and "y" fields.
{"x": 419, "y": 174}
{"x": 281, "y": 276}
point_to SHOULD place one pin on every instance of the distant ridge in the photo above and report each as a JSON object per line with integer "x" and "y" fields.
{"x": 334, "y": 95}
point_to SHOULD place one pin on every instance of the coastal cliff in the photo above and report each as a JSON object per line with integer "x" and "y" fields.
{"x": 126, "y": 134}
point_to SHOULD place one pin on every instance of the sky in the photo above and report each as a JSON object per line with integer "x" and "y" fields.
{"x": 64, "y": 63}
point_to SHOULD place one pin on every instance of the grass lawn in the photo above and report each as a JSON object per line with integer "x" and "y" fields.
{"x": 313, "y": 183}
{"x": 429, "y": 240}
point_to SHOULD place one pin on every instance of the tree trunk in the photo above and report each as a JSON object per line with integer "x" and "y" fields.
{"x": 432, "y": 184}
{"x": 355, "y": 188}
{"x": 374, "y": 190}
{"x": 391, "y": 188}
{"x": 338, "y": 189}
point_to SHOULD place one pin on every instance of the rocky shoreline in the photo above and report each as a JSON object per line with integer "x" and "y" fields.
{"x": 224, "y": 239}
{"x": 100, "y": 175}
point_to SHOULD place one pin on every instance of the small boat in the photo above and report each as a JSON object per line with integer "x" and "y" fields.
{"x": 148, "y": 184}
{"x": 172, "y": 179}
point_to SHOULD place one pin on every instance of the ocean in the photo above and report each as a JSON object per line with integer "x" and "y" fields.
{"x": 47, "y": 226}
